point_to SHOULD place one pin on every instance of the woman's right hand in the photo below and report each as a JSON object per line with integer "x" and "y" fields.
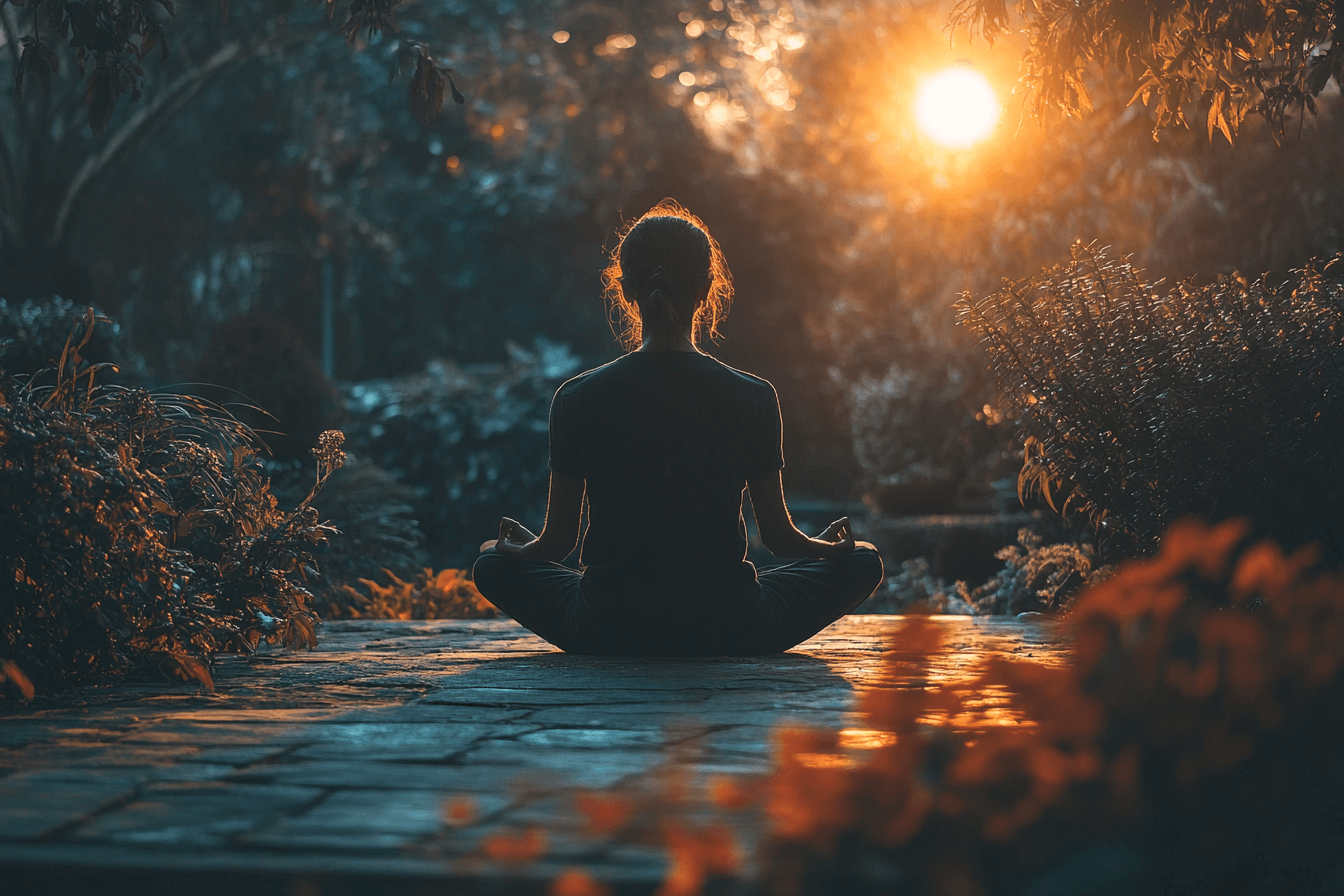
{"x": 513, "y": 535}
{"x": 839, "y": 535}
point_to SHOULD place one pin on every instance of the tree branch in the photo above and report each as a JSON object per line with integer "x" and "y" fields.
{"x": 12, "y": 41}
{"x": 9, "y": 193}
{"x": 183, "y": 88}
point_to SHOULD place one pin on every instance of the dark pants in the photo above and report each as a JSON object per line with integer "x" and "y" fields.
{"x": 783, "y": 607}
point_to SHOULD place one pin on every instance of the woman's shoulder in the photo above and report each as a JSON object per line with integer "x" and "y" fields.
{"x": 638, "y": 370}
{"x": 579, "y": 382}
{"x": 749, "y": 382}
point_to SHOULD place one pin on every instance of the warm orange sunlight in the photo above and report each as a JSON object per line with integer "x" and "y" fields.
{"x": 956, "y": 107}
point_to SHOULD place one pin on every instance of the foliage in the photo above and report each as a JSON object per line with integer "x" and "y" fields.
{"x": 141, "y": 531}
{"x": 33, "y": 333}
{"x": 447, "y": 594}
{"x": 265, "y": 374}
{"x": 1036, "y": 577}
{"x": 920, "y": 434}
{"x": 472, "y": 439}
{"x": 111, "y": 39}
{"x": 1039, "y": 577}
{"x": 1190, "y": 745}
{"x": 375, "y": 515}
{"x": 1220, "y": 61}
{"x": 914, "y": 589}
{"x": 1141, "y": 405}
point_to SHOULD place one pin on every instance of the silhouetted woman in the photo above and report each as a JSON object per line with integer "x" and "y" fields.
{"x": 664, "y": 440}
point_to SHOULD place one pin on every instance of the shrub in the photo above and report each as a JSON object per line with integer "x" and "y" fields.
{"x": 34, "y": 331}
{"x": 1039, "y": 577}
{"x": 1190, "y": 745}
{"x": 258, "y": 362}
{"x": 1035, "y": 577}
{"x": 471, "y": 441}
{"x": 924, "y": 434}
{"x": 140, "y": 531}
{"x": 375, "y": 516}
{"x": 1141, "y": 404}
{"x": 447, "y": 594}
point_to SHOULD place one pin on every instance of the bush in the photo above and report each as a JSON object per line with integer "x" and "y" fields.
{"x": 261, "y": 369}
{"x": 33, "y": 333}
{"x": 1190, "y": 745}
{"x": 471, "y": 441}
{"x": 925, "y": 437}
{"x": 140, "y": 532}
{"x": 447, "y": 594}
{"x": 1036, "y": 577}
{"x": 1039, "y": 577}
{"x": 1141, "y": 404}
{"x": 375, "y": 516}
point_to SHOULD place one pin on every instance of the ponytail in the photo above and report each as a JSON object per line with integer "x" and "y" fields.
{"x": 658, "y": 301}
{"x": 659, "y": 267}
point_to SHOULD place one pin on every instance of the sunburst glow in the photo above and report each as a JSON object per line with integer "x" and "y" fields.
{"x": 956, "y": 107}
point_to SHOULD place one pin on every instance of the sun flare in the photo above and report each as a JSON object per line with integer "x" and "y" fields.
{"x": 956, "y": 107}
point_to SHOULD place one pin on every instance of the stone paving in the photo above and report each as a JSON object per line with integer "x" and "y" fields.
{"x": 413, "y": 757}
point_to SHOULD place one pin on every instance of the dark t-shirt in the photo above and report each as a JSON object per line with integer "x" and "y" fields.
{"x": 666, "y": 442}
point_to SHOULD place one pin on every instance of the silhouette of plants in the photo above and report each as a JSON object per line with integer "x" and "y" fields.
{"x": 1188, "y": 745}
{"x": 446, "y": 594}
{"x": 140, "y": 531}
{"x": 1141, "y": 404}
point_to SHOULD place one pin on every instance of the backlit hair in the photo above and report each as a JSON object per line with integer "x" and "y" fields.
{"x": 663, "y": 259}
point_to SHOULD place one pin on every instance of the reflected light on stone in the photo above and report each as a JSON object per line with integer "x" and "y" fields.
{"x": 866, "y": 738}
{"x": 824, "y": 760}
{"x": 956, "y": 107}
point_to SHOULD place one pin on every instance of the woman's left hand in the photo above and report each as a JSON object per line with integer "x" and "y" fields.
{"x": 839, "y": 536}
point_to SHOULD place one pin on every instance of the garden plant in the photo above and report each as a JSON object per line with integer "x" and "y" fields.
{"x": 141, "y": 532}
{"x": 1141, "y": 403}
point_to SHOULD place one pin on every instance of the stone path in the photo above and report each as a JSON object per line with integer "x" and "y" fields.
{"x": 409, "y": 757}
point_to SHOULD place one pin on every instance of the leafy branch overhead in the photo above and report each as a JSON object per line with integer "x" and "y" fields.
{"x": 112, "y": 38}
{"x": 1212, "y": 63}
{"x": 429, "y": 84}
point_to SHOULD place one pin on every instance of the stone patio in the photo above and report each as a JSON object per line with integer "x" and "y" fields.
{"x": 409, "y": 757}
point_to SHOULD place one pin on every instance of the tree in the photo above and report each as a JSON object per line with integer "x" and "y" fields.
{"x": 1215, "y": 60}
{"x": 72, "y": 60}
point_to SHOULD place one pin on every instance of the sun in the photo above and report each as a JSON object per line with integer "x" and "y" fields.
{"x": 956, "y": 107}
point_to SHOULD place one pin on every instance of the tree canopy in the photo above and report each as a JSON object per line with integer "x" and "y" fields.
{"x": 1213, "y": 62}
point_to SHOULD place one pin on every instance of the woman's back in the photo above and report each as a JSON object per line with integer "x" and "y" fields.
{"x": 663, "y": 442}
{"x": 666, "y": 442}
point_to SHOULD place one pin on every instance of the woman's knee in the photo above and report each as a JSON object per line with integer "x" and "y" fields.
{"x": 485, "y": 572}
{"x": 868, "y": 564}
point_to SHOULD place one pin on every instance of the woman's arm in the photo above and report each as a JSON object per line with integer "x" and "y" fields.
{"x": 781, "y": 537}
{"x": 564, "y": 506}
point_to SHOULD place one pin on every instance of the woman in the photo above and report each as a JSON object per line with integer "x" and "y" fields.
{"x": 664, "y": 441}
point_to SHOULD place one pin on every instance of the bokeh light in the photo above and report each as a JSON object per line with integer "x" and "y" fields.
{"x": 957, "y": 107}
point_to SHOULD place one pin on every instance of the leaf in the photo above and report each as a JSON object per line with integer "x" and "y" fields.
{"x": 10, "y": 669}
{"x": 426, "y": 91}
{"x": 100, "y": 99}
{"x": 192, "y": 669}
{"x": 37, "y": 61}
{"x": 457, "y": 96}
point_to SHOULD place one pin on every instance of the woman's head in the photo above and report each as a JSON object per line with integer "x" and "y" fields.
{"x": 667, "y": 271}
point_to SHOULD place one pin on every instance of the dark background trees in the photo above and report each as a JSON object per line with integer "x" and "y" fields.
{"x": 269, "y": 171}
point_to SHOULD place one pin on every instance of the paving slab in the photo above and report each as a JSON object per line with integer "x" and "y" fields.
{"x": 432, "y": 757}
